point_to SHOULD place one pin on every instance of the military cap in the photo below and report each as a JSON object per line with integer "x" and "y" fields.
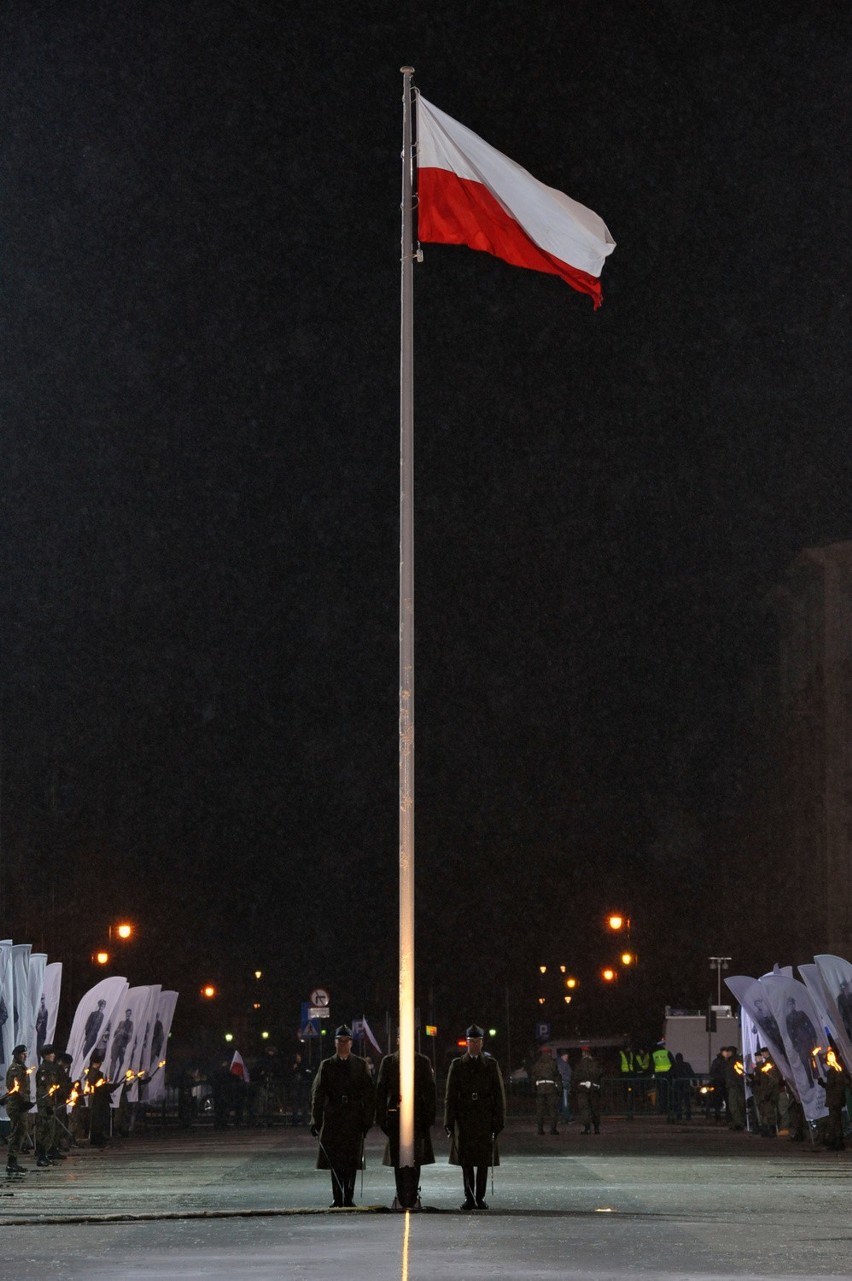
{"x": 47, "y": 1049}
{"x": 474, "y": 1032}
{"x": 343, "y": 1032}
{"x": 17, "y": 1050}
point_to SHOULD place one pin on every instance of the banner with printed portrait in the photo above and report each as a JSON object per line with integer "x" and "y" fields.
{"x": 21, "y": 993}
{"x": 836, "y": 975}
{"x": 47, "y": 1009}
{"x": 830, "y": 1025}
{"x": 141, "y": 1051}
{"x": 754, "y": 1000}
{"x": 7, "y": 1007}
{"x": 165, "y": 1012}
{"x": 127, "y": 1028}
{"x": 92, "y": 1025}
{"x": 38, "y": 964}
{"x": 799, "y": 1024}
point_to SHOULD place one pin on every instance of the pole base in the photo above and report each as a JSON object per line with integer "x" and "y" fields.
{"x": 406, "y": 1188}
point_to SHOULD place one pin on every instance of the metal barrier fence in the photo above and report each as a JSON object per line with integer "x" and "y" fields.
{"x": 631, "y": 1096}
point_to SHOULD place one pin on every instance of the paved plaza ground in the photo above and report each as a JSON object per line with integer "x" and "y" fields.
{"x": 644, "y": 1199}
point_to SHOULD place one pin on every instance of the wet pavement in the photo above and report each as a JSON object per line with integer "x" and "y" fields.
{"x": 642, "y": 1200}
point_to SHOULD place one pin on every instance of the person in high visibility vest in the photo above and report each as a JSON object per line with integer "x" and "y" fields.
{"x": 662, "y": 1061}
{"x": 627, "y": 1071}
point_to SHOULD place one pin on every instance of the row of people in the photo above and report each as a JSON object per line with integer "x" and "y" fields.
{"x": 67, "y": 1112}
{"x": 775, "y": 1107}
{"x": 345, "y": 1104}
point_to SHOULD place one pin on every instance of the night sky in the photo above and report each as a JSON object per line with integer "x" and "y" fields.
{"x": 199, "y": 244}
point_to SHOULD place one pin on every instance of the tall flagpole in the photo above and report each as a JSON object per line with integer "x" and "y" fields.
{"x": 406, "y": 657}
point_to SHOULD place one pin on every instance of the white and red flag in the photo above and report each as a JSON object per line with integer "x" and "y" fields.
{"x": 238, "y": 1067}
{"x": 470, "y": 194}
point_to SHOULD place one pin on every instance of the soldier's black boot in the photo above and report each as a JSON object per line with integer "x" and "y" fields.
{"x": 12, "y": 1166}
{"x": 42, "y": 1161}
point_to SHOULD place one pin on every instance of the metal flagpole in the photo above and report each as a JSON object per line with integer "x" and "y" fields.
{"x": 406, "y": 658}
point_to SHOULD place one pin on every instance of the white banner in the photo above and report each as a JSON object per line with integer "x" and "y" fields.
{"x": 166, "y": 1003}
{"x": 836, "y": 975}
{"x": 126, "y": 1036}
{"x": 141, "y": 1052}
{"x": 49, "y": 1001}
{"x": 800, "y": 1028}
{"x": 35, "y": 996}
{"x": 754, "y": 1000}
{"x": 7, "y": 1015}
{"x": 21, "y": 992}
{"x": 93, "y": 1022}
{"x": 812, "y": 980}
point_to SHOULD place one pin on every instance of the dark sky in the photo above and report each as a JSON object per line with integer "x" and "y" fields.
{"x": 199, "y": 219}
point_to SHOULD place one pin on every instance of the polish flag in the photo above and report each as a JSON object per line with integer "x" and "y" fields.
{"x": 470, "y": 194}
{"x": 238, "y": 1067}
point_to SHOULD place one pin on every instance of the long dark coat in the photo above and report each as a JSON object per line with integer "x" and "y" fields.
{"x": 387, "y": 1108}
{"x": 342, "y": 1107}
{"x": 474, "y": 1110}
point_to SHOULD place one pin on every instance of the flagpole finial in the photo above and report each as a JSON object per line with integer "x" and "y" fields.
{"x": 407, "y": 71}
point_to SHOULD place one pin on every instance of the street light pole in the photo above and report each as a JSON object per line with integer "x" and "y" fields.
{"x": 719, "y": 963}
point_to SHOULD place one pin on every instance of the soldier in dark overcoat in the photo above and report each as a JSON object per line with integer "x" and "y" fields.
{"x": 474, "y": 1114}
{"x": 387, "y": 1115}
{"x": 342, "y": 1109}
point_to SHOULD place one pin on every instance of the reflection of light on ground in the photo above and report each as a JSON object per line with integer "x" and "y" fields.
{"x": 405, "y": 1236}
{"x": 604, "y": 1209}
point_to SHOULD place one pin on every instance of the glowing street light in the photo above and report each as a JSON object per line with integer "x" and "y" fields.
{"x": 627, "y": 958}
{"x": 609, "y": 975}
{"x": 102, "y": 958}
{"x": 124, "y": 930}
{"x": 208, "y": 991}
{"x": 616, "y": 921}
{"x": 571, "y": 982}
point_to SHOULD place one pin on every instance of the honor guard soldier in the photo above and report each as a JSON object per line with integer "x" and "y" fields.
{"x": 387, "y": 1117}
{"x": 474, "y": 1115}
{"x": 342, "y": 1107}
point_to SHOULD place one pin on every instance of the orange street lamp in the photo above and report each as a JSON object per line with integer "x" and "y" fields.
{"x": 571, "y": 982}
{"x": 627, "y": 958}
{"x": 102, "y": 958}
{"x": 208, "y": 991}
{"x": 616, "y": 921}
{"x": 609, "y": 975}
{"x": 124, "y": 930}
{"x": 543, "y": 969}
